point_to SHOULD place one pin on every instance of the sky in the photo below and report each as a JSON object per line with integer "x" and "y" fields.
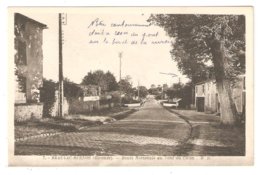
{"x": 142, "y": 62}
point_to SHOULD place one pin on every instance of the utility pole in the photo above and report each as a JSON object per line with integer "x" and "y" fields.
{"x": 61, "y": 92}
{"x": 120, "y": 65}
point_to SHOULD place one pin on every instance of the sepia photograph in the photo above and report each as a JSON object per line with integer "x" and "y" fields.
{"x": 130, "y": 86}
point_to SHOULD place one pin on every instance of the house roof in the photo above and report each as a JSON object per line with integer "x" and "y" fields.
{"x": 23, "y": 17}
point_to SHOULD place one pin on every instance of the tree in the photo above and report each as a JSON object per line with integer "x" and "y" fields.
{"x": 152, "y": 86}
{"x": 183, "y": 91}
{"x": 154, "y": 90}
{"x": 47, "y": 96}
{"x": 111, "y": 80}
{"x": 165, "y": 86}
{"x": 47, "y": 93}
{"x": 106, "y": 81}
{"x": 175, "y": 91}
{"x": 201, "y": 40}
{"x": 125, "y": 85}
{"x": 143, "y": 92}
{"x": 71, "y": 89}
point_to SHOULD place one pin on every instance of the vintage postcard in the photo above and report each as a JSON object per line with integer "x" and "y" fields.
{"x": 130, "y": 86}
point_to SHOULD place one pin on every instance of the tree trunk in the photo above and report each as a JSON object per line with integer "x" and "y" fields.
{"x": 228, "y": 110}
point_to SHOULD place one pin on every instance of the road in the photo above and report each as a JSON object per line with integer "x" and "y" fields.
{"x": 152, "y": 130}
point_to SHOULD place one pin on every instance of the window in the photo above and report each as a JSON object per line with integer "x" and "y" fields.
{"x": 203, "y": 88}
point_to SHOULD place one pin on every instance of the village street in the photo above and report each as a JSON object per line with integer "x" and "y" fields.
{"x": 152, "y": 130}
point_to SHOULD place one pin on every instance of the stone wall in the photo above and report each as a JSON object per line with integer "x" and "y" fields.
{"x": 80, "y": 107}
{"x": 54, "y": 111}
{"x": 74, "y": 106}
{"x": 105, "y": 106}
{"x": 25, "y": 112}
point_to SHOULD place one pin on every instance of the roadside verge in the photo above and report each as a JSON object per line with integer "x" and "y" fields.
{"x": 51, "y": 126}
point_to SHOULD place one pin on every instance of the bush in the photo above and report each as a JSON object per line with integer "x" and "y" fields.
{"x": 103, "y": 100}
{"x": 158, "y": 97}
{"x": 115, "y": 97}
{"x": 47, "y": 96}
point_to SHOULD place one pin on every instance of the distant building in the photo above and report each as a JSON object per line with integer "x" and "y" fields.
{"x": 90, "y": 92}
{"x": 207, "y": 97}
{"x": 28, "y": 60}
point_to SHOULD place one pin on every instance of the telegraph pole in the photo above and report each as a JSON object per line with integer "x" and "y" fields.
{"x": 61, "y": 93}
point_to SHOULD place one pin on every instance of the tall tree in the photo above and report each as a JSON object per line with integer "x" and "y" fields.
{"x": 143, "y": 91}
{"x": 125, "y": 85}
{"x": 106, "y": 81}
{"x": 201, "y": 40}
{"x": 111, "y": 80}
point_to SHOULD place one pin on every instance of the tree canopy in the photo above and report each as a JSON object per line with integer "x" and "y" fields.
{"x": 193, "y": 39}
{"x": 125, "y": 85}
{"x": 206, "y": 45}
{"x": 143, "y": 91}
{"x": 106, "y": 81}
{"x": 71, "y": 89}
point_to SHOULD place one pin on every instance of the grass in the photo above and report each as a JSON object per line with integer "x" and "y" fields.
{"x": 214, "y": 130}
{"x": 49, "y": 125}
{"x": 106, "y": 111}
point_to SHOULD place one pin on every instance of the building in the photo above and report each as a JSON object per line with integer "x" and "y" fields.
{"x": 28, "y": 60}
{"x": 206, "y": 96}
{"x": 90, "y": 91}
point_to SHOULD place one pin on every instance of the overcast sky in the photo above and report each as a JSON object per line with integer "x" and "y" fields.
{"x": 142, "y": 62}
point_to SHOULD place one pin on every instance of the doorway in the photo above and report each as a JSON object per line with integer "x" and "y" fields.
{"x": 200, "y": 104}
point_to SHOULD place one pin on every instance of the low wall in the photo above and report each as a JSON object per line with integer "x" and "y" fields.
{"x": 105, "y": 106}
{"x": 23, "y": 112}
{"x": 176, "y": 105}
{"x": 78, "y": 106}
{"x": 133, "y": 105}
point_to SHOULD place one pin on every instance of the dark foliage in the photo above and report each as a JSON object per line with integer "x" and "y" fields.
{"x": 47, "y": 96}
{"x": 71, "y": 90}
{"x": 106, "y": 81}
